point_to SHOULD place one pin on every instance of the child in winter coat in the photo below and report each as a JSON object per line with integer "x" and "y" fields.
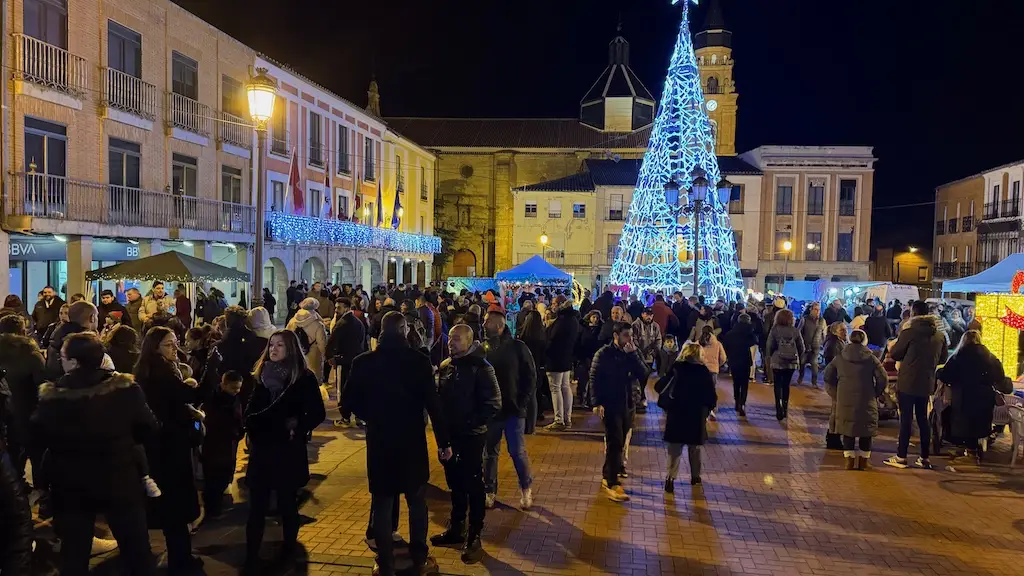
{"x": 713, "y": 355}
{"x": 220, "y": 446}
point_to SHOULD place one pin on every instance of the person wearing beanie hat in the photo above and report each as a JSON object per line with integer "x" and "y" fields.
{"x": 308, "y": 320}
{"x": 855, "y": 379}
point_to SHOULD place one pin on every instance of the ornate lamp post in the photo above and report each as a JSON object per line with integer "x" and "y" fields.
{"x": 544, "y": 246}
{"x": 262, "y": 92}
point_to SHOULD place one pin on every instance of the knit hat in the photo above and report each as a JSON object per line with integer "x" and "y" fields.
{"x": 780, "y": 302}
{"x": 309, "y": 304}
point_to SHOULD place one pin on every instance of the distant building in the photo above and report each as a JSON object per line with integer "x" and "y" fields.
{"x": 908, "y": 265}
{"x": 958, "y": 214}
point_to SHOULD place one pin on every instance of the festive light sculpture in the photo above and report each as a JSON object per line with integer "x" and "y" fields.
{"x": 650, "y": 253}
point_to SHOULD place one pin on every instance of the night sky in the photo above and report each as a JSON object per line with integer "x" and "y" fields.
{"x": 935, "y": 87}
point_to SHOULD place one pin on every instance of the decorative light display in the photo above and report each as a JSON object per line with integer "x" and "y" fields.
{"x": 304, "y": 230}
{"x": 1002, "y": 319}
{"x": 649, "y": 255}
{"x": 1017, "y": 282}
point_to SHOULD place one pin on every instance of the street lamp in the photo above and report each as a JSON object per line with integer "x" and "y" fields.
{"x": 913, "y": 249}
{"x": 262, "y": 92}
{"x": 544, "y": 246}
{"x": 787, "y": 247}
{"x": 698, "y": 193}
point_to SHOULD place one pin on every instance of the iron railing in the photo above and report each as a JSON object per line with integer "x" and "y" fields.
{"x": 279, "y": 145}
{"x": 954, "y": 270}
{"x": 51, "y": 66}
{"x": 951, "y": 226}
{"x": 129, "y": 94}
{"x": 560, "y": 258}
{"x": 188, "y": 114}
{"x": 424, "y": 192}
{"x": 234, "y": 130}
{"x": 991, "y": 210}
{"x": 316, "y": 153}
{"x": 1011, "y": 208}
{"x": 967, "y": 224}
{"x": 61, "y": 198}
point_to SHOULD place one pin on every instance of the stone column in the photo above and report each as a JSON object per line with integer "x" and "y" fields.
{"x": 429, "y": 277}
{"x": 413, "y": 270}
{"x": 79, "y": 249}
{"x": 5, "y": 264}
{"x": 244, "y": 263}
{"x": 399, "y": 271}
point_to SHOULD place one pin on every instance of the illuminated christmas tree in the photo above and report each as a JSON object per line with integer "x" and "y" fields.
{"x": 655, "y": 250}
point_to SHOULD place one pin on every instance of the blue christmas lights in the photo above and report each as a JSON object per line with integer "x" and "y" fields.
{"x": 681, "y": 142}
{"x": 292, "y": 229}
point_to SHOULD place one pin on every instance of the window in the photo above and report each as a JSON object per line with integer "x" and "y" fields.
{"x": 423, "y": 225}
{"x": 531, "y": 210}
{"x": 613, "y": 247}
{"x": 424, "y": 191}
{"x": 314, "y": 202}
{"x": 46, "y": 157}
{"x": 951, "y": 225}
{"x": 847, "y": 197}
{"x": 737, "y": 240}
{"x": 124, "y": 49}
{"x": 368, "y": 163}
{"x": 813, "y": 246}
{"x": 279, "y": 127}
{"x": 967, "y": 253}
{"x": 579, "y": 210}
{"x": 779, "y": 252}
{"x": 712, "y": 85}
{"x": 232, "y": 97}
{"x": 183, "y": 175}
{"x": 554, "y": 209}
{"x": 342, "y": 206}
{"x": 736, "y": 199}
{"x": 399, "y": 174}
{"x": 816, "y": 200}
{"x": 922, "y": 274}
{"x": 125, "y": 175}
{"x": 47, "y": 20}
{"x": 844, "y": 247}
{"x": 784, "y": 200}
{"x": 277, "y": 196}
{"x": 231, "y": 184}
{"x": 184, "y": 76}
{"x": 316, "y": 143}
{"x": 464, "y": 216}
{"x": 615, "y": 211}
{"x": 996, "y": 197}
{"x": 343, "y": 167}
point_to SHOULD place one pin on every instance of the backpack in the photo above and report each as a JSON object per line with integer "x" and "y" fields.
{"x": 787, "y": 349}
{"x": 303, "y": 336}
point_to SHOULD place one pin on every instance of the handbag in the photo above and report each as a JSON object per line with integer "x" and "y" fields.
{"x": 666, "y": 396}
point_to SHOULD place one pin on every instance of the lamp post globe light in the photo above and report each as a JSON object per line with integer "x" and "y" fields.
{"x": 787, "y": 247}
{"x": 698, "y": 193}
{"x": 544, "y": 245}
{"x": 262, "y": 93}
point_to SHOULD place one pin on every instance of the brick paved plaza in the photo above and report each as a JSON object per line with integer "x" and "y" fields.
{"x": 773, "y": 502}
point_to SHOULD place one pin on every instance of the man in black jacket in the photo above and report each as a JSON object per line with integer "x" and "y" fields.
{"x": 616, "y": 374}
{"x": 517, "y": 379}
{"x": 82, "y": 316}
{"x": 46, "y": 311}
{"x": 390, "y": 388}
{"x": 347, "y": 341}
{"x": 470, "y": 399}
{"x": 562, "y": 335}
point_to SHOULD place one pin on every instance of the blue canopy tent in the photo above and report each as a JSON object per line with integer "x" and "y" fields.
{"x": 995, "y": 280}
{"x": 536, "y": 270}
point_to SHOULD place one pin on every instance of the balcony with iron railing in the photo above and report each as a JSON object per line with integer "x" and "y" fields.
{"x": 1010, "y": 209}
{"x": 234, "y": 130}
{"x": 967, "y": 224}
{"x": 129, "y": 94}
{"x": 188, "y": 114}
{"x": 369, "y": 172}
{"x": 560, "y": 258}
{"x": 951, "y": 226}
{"x": 954, "y": 270}
{"x": 45, "y": 196}
{"x": 991, "y": 210}
{"x": 50, "y": 66}
{"x": 278, "y": 144}
{"x": 316, "y": 153}
{"x": 847, "y": 209}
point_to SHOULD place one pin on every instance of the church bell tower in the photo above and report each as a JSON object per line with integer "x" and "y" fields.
{"x": 713, "y": 48}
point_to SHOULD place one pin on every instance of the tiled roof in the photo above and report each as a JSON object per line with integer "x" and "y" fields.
{"x": 581, "y": 182}
{"x": 621, "y": 173}
{"x": 566, "y": 133}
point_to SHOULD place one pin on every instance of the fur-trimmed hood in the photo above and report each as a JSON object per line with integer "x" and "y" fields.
{"x": 15, "y": 346}
{"x": 75, "y": 386}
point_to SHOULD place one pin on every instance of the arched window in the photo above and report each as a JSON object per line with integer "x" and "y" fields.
{"x": 712, "y": 87}
{"x": 714, "y": 58}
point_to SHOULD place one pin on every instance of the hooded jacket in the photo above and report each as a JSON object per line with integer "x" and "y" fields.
{"x": 313, "y": 325}
{"x": 470, "y": 396}
{"x": 90, "y": 421}
{"x": 920, "y": 348}
{"x": 854, "y": 379}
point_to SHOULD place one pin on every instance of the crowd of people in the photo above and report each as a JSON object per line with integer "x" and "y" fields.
{"x": 117, "y": 406}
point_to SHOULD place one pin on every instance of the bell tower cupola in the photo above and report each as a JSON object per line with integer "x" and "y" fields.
{"x": 618, "y": 101}
{"x": 713, "y": 48}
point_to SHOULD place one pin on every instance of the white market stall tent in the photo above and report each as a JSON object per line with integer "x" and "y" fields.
{"x": 995, "y": 280}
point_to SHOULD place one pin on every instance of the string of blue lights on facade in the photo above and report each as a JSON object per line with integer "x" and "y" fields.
{"x": 291, "y": 229}
{"x": 682, "y": 141}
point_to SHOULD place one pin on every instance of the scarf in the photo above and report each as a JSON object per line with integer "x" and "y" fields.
{"x": 275, "y": 377}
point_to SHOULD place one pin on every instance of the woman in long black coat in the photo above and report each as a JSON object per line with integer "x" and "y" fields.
{"x": 690, "y": 398}
{"x": 285, "y": 408}
{"x": 532, "y": 334}
{"x": 170, "y": 452}
{"x": 973, "y": 374}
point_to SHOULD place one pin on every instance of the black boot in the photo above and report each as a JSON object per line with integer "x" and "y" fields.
{"x": 473, "y": 551}
{"x": 455, "y": 535}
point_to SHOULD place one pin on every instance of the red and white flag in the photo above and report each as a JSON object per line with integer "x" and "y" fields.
{"x": 295, "y": 185}
{"x": 327, "y": 211}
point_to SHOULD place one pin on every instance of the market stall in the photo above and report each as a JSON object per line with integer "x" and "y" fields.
{"x": 533, "y": 272}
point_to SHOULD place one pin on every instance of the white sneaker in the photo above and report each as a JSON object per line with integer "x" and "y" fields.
{"x": 102, "y": 546}
{"x": 152, "y": 490}
{"x": 489, "y": 499}
{"x": 527, "y": 500}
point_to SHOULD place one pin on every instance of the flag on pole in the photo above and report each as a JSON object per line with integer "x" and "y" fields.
{"x": 356, "y": 211}
{"x": 326, "y": 211}
{"x": 396, "y": 218}
{"x": 380, "y": 206}
{"x": 295, "y": 185}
